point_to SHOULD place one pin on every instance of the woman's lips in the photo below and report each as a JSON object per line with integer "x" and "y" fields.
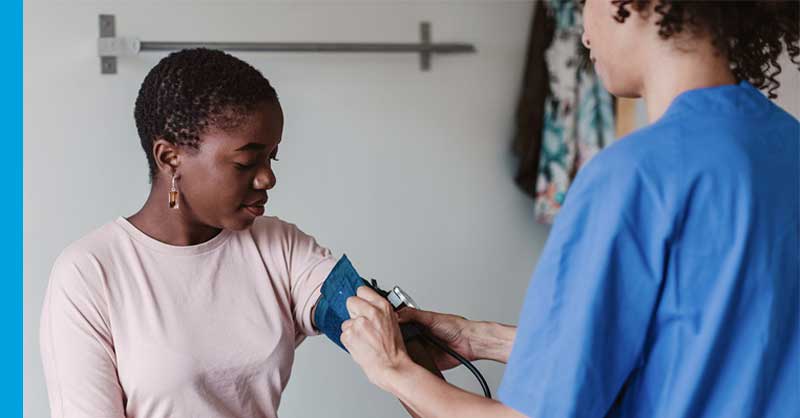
{"x": 255, "y": 210}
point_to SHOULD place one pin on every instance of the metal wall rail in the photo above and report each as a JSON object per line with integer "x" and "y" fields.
{"x": 109, "y": 46}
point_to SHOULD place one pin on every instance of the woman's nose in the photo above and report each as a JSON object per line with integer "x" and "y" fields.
{"x": 264, "y": 179}
{"x": 585, "y": 40}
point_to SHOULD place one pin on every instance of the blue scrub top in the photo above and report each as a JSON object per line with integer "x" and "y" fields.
{"x": 669, "y": 284}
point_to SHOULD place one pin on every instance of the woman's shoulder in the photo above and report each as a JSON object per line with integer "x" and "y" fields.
{"x": 273, "y": 226}
{"x": 91, "y": 250}
{"x": 79, "y": 270}
{"x": 273, "y": 230}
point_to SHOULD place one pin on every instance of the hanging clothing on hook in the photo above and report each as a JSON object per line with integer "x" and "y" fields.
{"x": 573, "y": 115}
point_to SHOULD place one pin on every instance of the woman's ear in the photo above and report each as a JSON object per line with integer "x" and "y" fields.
{"x": 166, "y": 156}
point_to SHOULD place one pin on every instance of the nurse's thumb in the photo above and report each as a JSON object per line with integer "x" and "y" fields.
{"x": 406, "y": 315}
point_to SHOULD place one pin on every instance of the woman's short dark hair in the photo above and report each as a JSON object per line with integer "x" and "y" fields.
{"x": 752, "y": 34}
{"x": 191, "y": 90}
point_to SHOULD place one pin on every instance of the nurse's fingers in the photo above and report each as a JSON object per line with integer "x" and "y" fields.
{"x": 347, "y": 325}
{"x": 354, "y": 333}
{"x": 354, "y": 327}
{"x": 374, "y": 298}
{"x": 357, "y": 306}
{"x": 409, "y": 314}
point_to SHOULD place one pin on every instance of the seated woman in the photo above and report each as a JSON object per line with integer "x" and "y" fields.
{"x": 194, "y": 305}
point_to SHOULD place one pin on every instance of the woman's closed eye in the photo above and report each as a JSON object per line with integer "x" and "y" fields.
{"x": 250, "y": 165}
{"x": 245, "y": 166}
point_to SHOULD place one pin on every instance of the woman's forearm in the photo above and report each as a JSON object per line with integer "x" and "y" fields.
{"x": 490, "y": 340}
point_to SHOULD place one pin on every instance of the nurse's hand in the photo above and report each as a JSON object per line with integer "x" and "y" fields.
{"x": 372, "y": 336}
{"x": 474, "y": 340}
{"x": 452, "y": 330}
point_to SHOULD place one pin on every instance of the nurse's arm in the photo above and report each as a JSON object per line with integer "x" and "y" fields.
{"x": 374, "y": 340}
{"x": 417, "y": 350}
{"x": 474, "y": 340}
{"x": 431, "y": 397}
{"x": 420, "y": 353}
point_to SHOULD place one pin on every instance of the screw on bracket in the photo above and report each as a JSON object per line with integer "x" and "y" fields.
{"x": 108, "y": 65}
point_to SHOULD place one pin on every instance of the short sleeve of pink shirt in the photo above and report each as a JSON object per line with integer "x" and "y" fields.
{"x": 133, "y": 327}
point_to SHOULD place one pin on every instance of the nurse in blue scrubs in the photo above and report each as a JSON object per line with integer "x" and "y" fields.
{"x": 669, "y": 283}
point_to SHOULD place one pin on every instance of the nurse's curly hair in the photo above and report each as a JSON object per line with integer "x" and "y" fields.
{"x": 752, "y": 34}
{"x": 194, "y": 89}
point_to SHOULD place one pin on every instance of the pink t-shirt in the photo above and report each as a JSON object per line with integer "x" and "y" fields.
{"x": 132, "y": 327}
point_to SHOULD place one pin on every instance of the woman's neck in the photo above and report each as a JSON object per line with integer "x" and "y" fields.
{"x": 671, "y": 72}
{"x": 170, "y": 226}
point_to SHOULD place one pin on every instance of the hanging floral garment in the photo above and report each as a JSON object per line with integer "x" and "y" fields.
{"x": 578, "y": 112}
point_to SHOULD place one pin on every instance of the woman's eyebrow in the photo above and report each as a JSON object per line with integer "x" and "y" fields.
{"x": 252, "y": 146}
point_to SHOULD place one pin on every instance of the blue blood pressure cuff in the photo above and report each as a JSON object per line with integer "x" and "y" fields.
{"x": 331, "y": 311}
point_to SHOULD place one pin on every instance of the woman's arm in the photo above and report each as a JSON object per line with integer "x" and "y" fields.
{"x": 76, "y": 345}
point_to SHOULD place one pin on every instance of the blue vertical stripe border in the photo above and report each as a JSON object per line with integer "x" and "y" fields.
{"x": 11, "y": 254}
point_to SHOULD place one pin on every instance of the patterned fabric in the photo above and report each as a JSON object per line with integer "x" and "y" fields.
{"x": 578, "y": 113}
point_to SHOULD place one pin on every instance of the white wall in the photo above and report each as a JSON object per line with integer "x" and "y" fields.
{"x": 408, "y": 172}
{"x": 789, "y": 91}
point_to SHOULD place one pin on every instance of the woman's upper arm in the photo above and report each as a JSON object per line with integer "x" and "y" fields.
{"x": 77, "y": 348}
{"x": 309, "y": 266}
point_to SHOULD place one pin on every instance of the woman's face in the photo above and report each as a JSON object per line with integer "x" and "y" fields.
{"x": 224, "y": 182}
{"x": 616, "y": 48}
